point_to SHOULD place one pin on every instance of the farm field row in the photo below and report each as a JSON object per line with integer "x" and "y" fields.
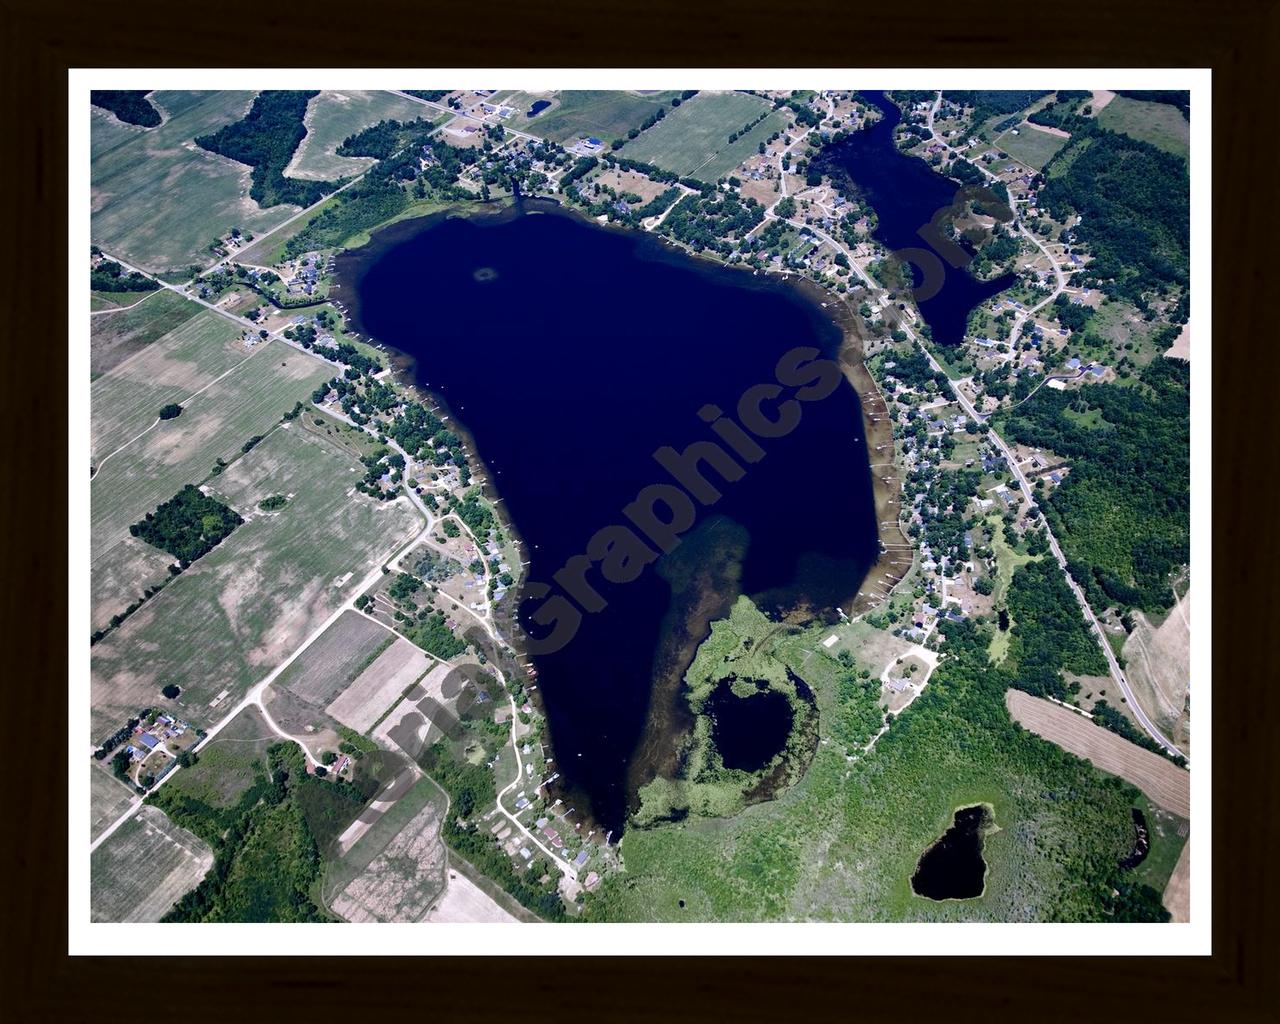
{"x": 226, "y": 621}
{"x": 126, "y": 399}
{"x": 146, "y": 865}
{"x": 693, "y": 139}
{"x": 158, "y": 198}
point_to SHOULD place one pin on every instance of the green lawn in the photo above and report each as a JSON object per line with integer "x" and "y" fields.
{"x": 244, "y": 606}
{"x": 228, "y": 764}
{"x": 333, "y": 116}
{"x": 1161, "y": 124}
{"x": 693, "y": 139}
{"x": 158, "y": 198}
{"x": 1031, "y": 146}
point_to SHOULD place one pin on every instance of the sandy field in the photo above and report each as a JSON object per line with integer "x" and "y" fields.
{"x": 464, "y": 902}
{"x": 1161, "y": 780}
{"x": 376, "y": 688}
{"x": 1159, "y": 667}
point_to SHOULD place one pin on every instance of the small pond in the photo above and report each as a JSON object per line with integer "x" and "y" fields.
{"x": 748, "y": 731}
{"x": 953, "y": 867}
{"x": 538, "y": 107}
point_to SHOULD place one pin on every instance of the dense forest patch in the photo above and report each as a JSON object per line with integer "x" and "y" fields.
{"x": 1123, "y": 514}
{"x": 129, "y": 105}
{"x": 265, "y": 139}
{"x": 188, "y": 525}
{"x": 1135, "y": 207}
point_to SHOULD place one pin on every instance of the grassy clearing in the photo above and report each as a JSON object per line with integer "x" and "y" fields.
{"x": 341, "y": 653}
{"x": 693, "y": 139}
{"x": 333, "y": 116}
{"x": 108, "y": 799}
{"x": 1168, "y": 834}
{"x": 606, "y": 114}
{"x": 146, "y": 865}
{"x": 1031, "y": 146}
{"x": 126, "y": 399}
{"x": 1161, "y": 124}
{"x": 240, "y": 609}
{"x": 158, "y": 198}
{"x": 229, "y": 763}
{"x": 114, "y": 338}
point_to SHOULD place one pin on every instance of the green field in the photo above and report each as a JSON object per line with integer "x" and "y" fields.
{"x": 117, "y": 336}
{"x": 108, "y": 799}
{"x": 125, "y": 400}
{"x": 605, "y": 114}
{"x": 333, "y": 116}
{"x": 843, "y": 842}
{"x": 244, "y": 606}
{"x": 1031, "y": 146}
{"x": 1161, "y": 124}
{"x": 158, "y": 198}
{"x": 693, "y": 139}
{"x": 228, "y": 763}
{"x": 146, "y": 865}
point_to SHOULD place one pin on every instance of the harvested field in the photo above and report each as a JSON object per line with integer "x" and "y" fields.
{"x": 1177, "y": 894}
{"x": 465, "y": 902}
{"x": 1161, "y": 780}
{"x": 239, "y": 610}
{"x": 180, "y": 451}
{"x": 108, "y": 799}
{"x": 396, "y": 868}
{"x": 144, "y": 868}
{"x": 158, "y": 198}
{"x": 114, "y": 338}
{"x": 341, "y": 653}
{"x": 376, "y": 689}
{"x": 1181, "y": 348}
{"x": 127, "y": 399}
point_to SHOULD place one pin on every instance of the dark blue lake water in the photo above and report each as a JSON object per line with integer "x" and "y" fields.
{"x": 570, "y": 354}
{"x": 906, "y": 193}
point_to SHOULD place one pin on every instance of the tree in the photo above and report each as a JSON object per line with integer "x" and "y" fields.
{"x": 170, "y": 411}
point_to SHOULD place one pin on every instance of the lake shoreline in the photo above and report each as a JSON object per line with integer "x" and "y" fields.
{"x": 666, "y": 706}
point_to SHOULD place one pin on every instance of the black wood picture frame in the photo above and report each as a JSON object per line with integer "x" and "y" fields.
{"x": 1238, "y": 39}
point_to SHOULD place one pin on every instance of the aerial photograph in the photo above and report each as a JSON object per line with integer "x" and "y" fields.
{"x": 586, "y": 506}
